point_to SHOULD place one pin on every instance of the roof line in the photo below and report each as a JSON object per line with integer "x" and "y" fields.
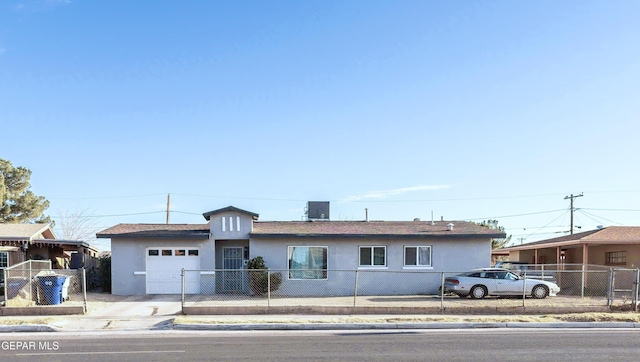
{"x": 395, "y": 236}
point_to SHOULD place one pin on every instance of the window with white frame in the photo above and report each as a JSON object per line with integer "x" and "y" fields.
{"x": 418, "y": 256}
{"x": 308, "y": 262}
{"x": 373, "y": 256}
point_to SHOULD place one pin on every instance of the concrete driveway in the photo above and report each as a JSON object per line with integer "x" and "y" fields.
{"x": 140, "y": 306}
{"x": 136, "y": 312}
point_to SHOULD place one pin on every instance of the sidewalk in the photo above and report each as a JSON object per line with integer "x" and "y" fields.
{"x": 163, "y": 312}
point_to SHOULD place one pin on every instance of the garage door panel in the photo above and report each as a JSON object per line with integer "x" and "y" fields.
{"x": 164, "y": 268}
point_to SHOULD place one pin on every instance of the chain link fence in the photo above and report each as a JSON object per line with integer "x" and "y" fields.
{"x": 579, "y": 289}
{"x": 35, "y": 283}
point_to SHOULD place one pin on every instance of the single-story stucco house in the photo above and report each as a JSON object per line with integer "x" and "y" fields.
{"x": 316, "y": 256}
{"x": 615, "y": 246}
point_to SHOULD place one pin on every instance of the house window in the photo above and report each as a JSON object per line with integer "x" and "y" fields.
{"x": 4, "y": 263}
{"x": 308, "y": 262}
{"x": 193, "y": 252}
{"x": 153, "y": 252}
{"x": 615, "y": 258}
{"x": 166, "y": 252}
{"x": 417, "y": 256}
{"x": 231, "y": 225}
{"x": 4, "y": 259}
{"x": 179, "y": 252}
{"x": 373, "y": 256}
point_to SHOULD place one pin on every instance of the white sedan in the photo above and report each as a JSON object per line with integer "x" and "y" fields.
{"x": 494, "y": 281}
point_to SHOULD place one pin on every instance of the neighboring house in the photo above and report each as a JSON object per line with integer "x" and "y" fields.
{"x": 316, "y": 256}
{"x": 616, "y": 246}
{"x": 21, "y": 242}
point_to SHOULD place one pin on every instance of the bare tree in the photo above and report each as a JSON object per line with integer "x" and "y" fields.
{"x": 77, "y": 224}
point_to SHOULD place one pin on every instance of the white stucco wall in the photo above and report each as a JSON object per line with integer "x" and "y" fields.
{"x": 129, "y": 256}
{"x": 449, "y": 255}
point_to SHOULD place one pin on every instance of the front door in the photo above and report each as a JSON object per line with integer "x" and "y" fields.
{"x": 232, "y": 258}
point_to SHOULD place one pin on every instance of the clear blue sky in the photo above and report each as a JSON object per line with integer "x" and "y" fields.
{"x": 470, "y": 109}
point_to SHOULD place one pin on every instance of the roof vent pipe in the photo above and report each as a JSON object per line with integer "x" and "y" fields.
{"x": 366, "y": 215}
{"x": 449, "y": 226}
{"x": 416, "y": 219}
{"x": 432, "y": 223}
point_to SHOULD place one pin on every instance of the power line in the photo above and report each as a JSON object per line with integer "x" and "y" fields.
{"x": 346, "y": 200}
{"x": 622, "y": 210}
{"x": 241, "y": 197}
{"x": 102, "y": 197}
{"x": 546, "y": 225}
{"x": 538, "y": 234}
{"x": 199, "y": 213}
{"x": 115, "y": 215}
{"x": 516, "y": 215}
{"x": 588, "y": 214}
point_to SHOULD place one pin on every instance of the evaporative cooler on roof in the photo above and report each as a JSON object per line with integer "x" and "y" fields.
{"x": 318, "y": 210}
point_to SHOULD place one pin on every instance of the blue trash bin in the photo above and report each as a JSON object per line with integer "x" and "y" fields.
{"x": 52, "y": 289}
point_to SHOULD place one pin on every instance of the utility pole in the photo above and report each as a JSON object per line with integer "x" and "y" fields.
{"x": 168, "y": 206}
{"x": 572, "y": 209}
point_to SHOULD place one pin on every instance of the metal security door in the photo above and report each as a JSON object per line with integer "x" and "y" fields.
{"x": 232, "y": 258}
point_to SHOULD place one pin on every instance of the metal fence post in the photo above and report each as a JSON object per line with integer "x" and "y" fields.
{"x": 635, "y": 291}
{"x": 582, "y": 283}
{"x": 84, "y": 289}
{"x": 355, "y": 289}
{"x": 6, "y": 287}
{"x": 442, "y": 291}
{"x": 182, "y": 290}
{"x": 31, "y": 286}
{"x": 524, "y": 288}
{"x": 610, "y": 289}
{"x": 268, "y": 288}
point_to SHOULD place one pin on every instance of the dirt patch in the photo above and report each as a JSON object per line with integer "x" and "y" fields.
{"x": 16, "y": 321}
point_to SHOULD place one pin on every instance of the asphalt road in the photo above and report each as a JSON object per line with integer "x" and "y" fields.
{"x": 422, "y": 345}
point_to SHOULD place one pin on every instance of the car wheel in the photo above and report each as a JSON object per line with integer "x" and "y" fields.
{"x": 539, "y": 292}
{"x": 478, "y": 292}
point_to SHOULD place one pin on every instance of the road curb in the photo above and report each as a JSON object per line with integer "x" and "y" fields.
{"x": 398, "y": 326}
{"x": 574, "y": 325}
{"x": 333, "y": 326}
{"x": 24, "y": 328}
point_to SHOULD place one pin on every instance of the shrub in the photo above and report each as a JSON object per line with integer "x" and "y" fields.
{"x": 104, "y": 273}
{"x": 260, "y": 279}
